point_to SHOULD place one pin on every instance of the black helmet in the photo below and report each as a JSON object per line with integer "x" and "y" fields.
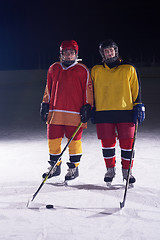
{"x": 106, "y": 44}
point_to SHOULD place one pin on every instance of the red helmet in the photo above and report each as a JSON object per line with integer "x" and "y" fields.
{"x": 69, "y": 44}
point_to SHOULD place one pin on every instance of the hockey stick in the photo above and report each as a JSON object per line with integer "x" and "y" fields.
{"x": 130, "y": 164}
{"x": 44, "y": 180}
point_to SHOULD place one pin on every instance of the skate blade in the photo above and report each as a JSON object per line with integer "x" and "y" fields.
{"x": 58, "y": 184}
{"x": 64, "y": 183}
{"x": 109, "y": 184}
{"x": 131, "y": 185}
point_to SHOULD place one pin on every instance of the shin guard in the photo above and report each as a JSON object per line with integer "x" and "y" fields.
{"x": 75, "y": 152}
{"x": 108, "y": 150}
{"x": 54, "y": 148}
{"x": 126, "y": 152}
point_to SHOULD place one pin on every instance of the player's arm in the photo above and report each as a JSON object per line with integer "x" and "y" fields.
{"x": 138, "y": 106}
{"x": 44, "y": 109}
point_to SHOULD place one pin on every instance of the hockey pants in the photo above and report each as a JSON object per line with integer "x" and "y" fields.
{"x": 108, "y": 133}
{"x": 55, "y": 133}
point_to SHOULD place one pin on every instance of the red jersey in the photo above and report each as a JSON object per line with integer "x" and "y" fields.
{"x": 67, "y": 90}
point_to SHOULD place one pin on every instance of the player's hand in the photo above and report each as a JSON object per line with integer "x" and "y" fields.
{"x": 44, "y": 110}
{"x": 139, "y": 113}
{"x": 85, "y": 112}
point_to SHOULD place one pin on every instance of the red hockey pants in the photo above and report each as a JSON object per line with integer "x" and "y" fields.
{"x": 108, "y": 132}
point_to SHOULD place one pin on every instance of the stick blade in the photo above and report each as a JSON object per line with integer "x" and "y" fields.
{"x": 121, "y": 204}
{"x": 28, "y": 203}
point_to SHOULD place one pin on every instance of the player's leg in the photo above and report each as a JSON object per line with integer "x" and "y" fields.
{"x": 75, "y": 152}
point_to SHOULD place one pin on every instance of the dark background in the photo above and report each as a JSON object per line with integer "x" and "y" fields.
{"x": 32, "y": 31}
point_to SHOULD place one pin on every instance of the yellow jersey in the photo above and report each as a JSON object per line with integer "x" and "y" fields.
{"x": 116, "y": 91}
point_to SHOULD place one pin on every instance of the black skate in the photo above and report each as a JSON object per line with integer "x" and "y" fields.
{"x": 131, "y": 177}
{"x": 110, "y": 174}
{"x": 73, "y": 172}
{"x": 56, "y": 171}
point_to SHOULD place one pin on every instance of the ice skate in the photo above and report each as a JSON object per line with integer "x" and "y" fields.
{"x": 72, "y": 172}
{"x": 131, "y": 177}
{"x": 110, "y": 174}
{"x": 56, "y": 171}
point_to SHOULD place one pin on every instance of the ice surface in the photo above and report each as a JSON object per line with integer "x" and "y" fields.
{"x": 85, "y": 209}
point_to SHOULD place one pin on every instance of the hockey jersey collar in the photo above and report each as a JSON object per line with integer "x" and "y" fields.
{"x": 113, "y": 64}
{"x": 65, "y": 68}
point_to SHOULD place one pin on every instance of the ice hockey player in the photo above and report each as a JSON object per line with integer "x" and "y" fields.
{"x": 118, "y": 106}
{"x": 67, "y": 101}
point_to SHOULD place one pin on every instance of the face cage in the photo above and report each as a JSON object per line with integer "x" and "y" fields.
{"x": 69, "y": 62}
{"x": 109, "y": 60}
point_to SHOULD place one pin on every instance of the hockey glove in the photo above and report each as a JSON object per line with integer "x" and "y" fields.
{"x": 44, "y": 111}
{"x": 85, "y": 112}
{"x": 139, "y": 113}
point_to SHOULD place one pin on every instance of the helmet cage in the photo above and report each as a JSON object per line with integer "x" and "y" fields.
{"x": 108, "y": 44}
{"x": 68, "y": 45}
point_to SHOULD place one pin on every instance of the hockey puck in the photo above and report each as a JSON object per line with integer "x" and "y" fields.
{"x": 49, "y": 206}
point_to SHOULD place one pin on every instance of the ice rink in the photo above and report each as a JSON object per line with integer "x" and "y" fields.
{"x": 85, "y": 209}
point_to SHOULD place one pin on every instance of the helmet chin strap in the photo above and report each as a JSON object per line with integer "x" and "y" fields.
{"x": 113, "y": 64}
{"x": 68, "y": 63}
{"x": 111, "y": 60}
